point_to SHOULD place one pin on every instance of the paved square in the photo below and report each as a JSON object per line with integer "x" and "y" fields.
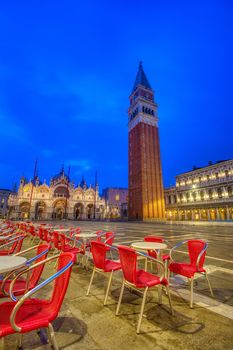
{"x": 84, "y": 323}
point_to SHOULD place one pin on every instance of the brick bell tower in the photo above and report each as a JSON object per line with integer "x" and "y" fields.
{"x": 146, "y": 197}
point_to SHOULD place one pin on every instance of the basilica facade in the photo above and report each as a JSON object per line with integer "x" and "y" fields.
{"x": 61, "y": 199}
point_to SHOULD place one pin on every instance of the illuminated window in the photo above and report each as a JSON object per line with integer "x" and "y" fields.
{"x": 3, "y": 200}
{"x": 117, "y": 197}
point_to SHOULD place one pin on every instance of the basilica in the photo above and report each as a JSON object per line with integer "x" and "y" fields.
{"x": 61, "y": 199}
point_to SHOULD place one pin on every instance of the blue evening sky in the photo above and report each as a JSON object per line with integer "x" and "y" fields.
{"x": 67, "y": 69}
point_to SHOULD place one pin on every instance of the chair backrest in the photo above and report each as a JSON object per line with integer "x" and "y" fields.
{"x": 128, "y": 258}
{"x": 99, "y": 235}
{"x": 41, "y": 233}
{"x": 98, "y": 250}
{"x": 17, "y": 245}
{"x": 153, "y": 239}
{"x": 195, "y": 246}
{"x": 63, "y": 241}
{"x": 56, "y": 240}
{"x": 109, "y": 237}
{"x": 37, "y": 271}
{"x": 156, "y": 239}
{"x": 61, "y": 282}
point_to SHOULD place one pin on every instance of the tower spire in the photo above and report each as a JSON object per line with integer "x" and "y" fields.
{"x": 141, "y": 79}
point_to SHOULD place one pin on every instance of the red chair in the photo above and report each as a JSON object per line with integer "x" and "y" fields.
{"x": 154, "y": 254}
{"x": 66, "y": 247}
{"x": 102, "y": 265}
{"x": 107, "y": 238}
{"x": 28, "y": 313}
{"x": 23, "y": 285}
{"x": 56, "y": 242}
{"x": 139, "y": 279}
{"x": 15, "y": 246}
{"x": 197, "y": 251}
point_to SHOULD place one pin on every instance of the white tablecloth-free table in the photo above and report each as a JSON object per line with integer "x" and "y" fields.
{"x": 145, "y": 246}
{"x": 11, "y": 263}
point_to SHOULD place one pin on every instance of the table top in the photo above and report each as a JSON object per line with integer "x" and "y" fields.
{"x": 86, "y": 235}
{"x": 10, "y": 263}
{"x": 148, "y": 245}
{"x": 61, "y": 229}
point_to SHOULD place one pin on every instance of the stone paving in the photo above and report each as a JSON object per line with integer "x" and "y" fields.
{"x": 84, "y": 323}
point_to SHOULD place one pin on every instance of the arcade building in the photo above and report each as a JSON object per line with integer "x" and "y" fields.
{"x": 204, "y": 193}
{"x": 61, "y": 199}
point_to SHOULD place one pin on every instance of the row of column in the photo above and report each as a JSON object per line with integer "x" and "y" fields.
{"x": 198, "y": 214}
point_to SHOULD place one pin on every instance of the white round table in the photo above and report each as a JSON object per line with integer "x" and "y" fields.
{"x": 61, "y": 229}
{"x": 11, "y": 263}
{"x": 148, "y": 246}
{"x": 145, "y": 246}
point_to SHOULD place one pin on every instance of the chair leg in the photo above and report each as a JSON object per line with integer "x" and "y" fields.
{"x": 191, "y": 292}
{"x": 146, "y": 262}
{"x": 92, "y": 276}
{"x": 49, "y": 336}
{"x": 120, "y": 297}
{"x": 52, "y": 335}
{"x": 108, "y": 288}
{"x": 20, "y": 336}
{"x": 169, "y": 299}
{"x": 160, "y": 301}
{"x": 141, "y": 311}
{"x": 210, "y": 288}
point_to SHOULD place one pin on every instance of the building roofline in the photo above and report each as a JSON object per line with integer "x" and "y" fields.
{"x": 206, "y": 166}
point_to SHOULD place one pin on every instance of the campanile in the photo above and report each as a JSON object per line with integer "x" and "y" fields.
{"x": 146, "y": 198}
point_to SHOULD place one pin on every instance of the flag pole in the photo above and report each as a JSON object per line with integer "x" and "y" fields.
{"x": 34, "y": 177}
{"x": 67, "y": 187}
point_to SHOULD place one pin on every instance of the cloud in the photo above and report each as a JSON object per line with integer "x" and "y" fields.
{"x": 80, "y": 165}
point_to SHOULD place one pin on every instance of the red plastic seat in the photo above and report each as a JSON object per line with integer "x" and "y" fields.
{"x": 197, "y": 251}
{"x": 139, "y": 279}
{"x": 32, "y": 313}
{"x": 22, "y": 285}
{"x": 102, "y": 265}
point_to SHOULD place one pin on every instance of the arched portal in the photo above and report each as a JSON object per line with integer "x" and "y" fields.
{"x": 78, "y": 211}
{"x": 40, "y": 210}
{"x": 90, "y": 211}
{"x": 24, "y": 209}
{"x": 59, "y": 209}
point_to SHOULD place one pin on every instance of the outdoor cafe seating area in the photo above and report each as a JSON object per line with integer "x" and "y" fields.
{"x": 27, "y": 248}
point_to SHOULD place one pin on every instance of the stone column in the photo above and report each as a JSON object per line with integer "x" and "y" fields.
{"x": 217, "y": 214}
{"x": 208, "y": 214}
{"x": 228, "y": 213}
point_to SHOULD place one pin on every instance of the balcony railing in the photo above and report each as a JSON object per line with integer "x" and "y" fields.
{"x": 206, "y": 183}
{"x": 206, "y": 201}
